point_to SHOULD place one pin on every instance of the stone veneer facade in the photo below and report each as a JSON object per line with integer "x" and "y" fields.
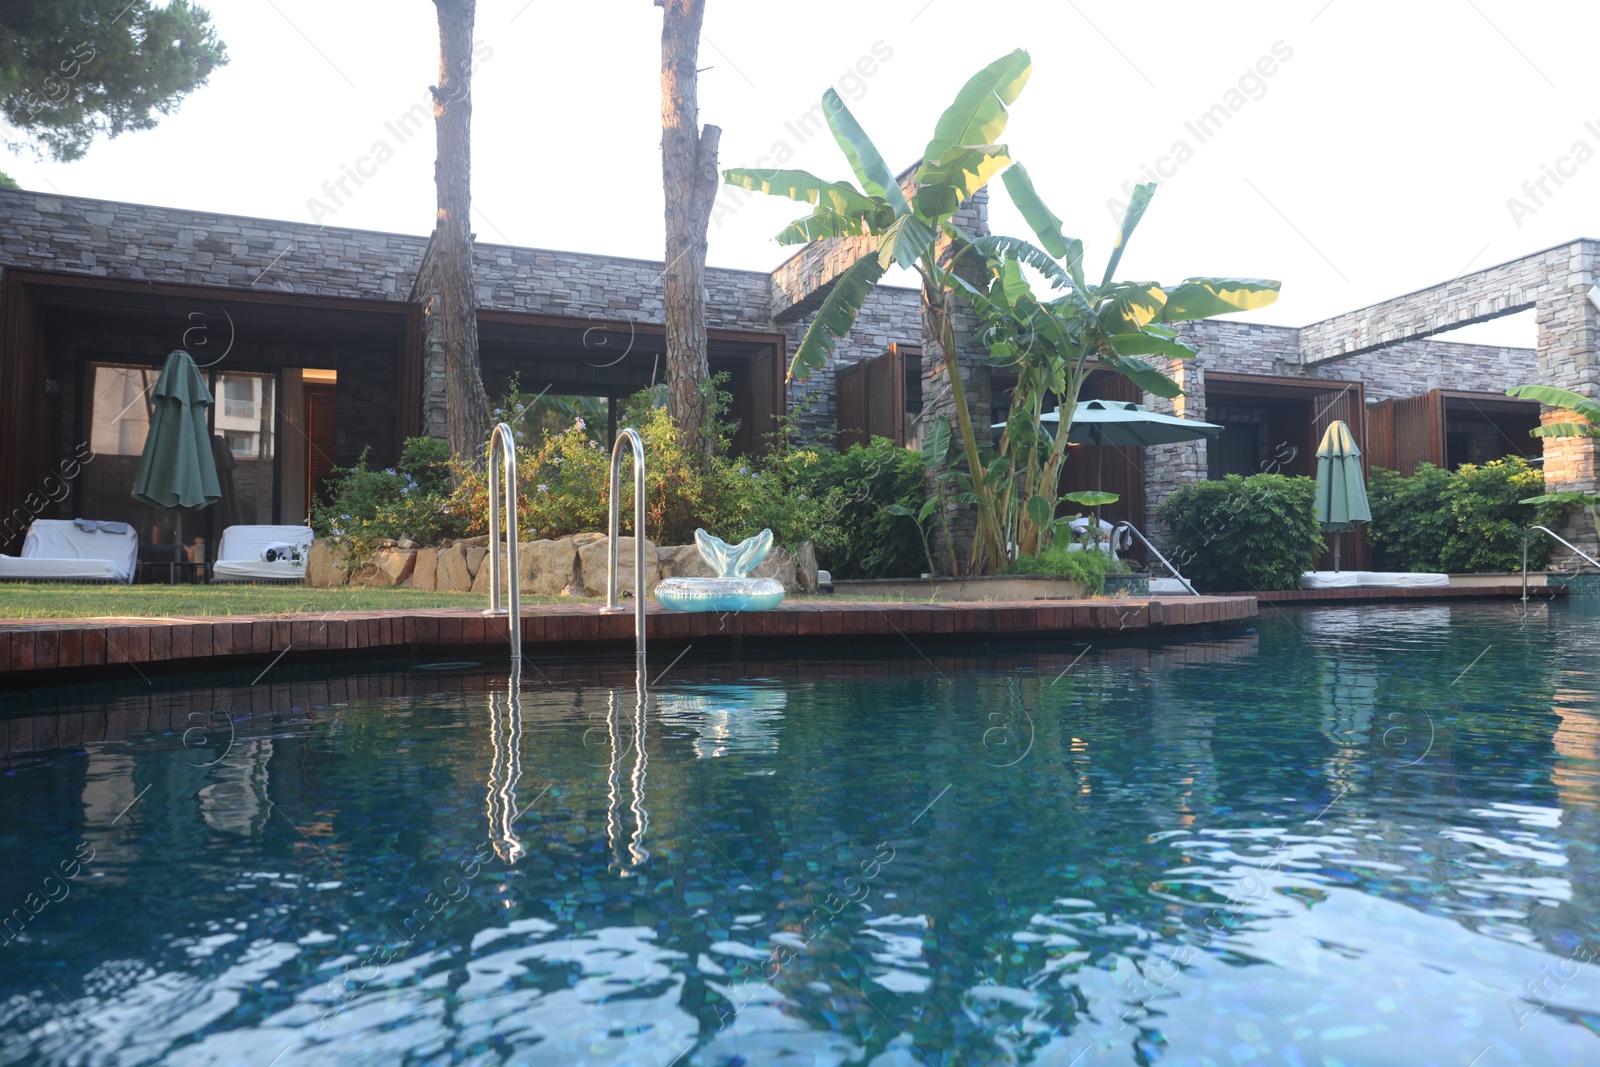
{"x": 1388, "y": 346}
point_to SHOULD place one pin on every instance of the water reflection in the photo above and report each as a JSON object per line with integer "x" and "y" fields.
{"x": 636, "y": 853}
{"x": 725, "y": 719}
{"x": 505, "y": 767}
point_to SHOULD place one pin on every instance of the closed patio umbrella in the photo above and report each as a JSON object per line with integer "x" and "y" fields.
{"x": 177, "y": 469}
{"x": 1341, "y": 490}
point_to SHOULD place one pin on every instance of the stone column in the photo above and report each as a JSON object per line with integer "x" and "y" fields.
{"x": 1170, "y": 467}
{"x": 1569, "y": 358}
{"x": 938, "y": 398}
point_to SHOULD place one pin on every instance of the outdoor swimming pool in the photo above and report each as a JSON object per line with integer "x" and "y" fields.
{"x": 1346, "y": 836}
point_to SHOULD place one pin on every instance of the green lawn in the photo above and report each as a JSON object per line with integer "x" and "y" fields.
{"x": 57, "y": 600}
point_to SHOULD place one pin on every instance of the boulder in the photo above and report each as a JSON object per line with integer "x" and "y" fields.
{"x": 452, "y": 575}
{"x": 550, "y": 568}
{"x": 475, "y": 556}
{"x": 805, "y": 565}
{"x": 779, "y": 564}
{"x": 390, "y": 566}
{"x": 592, "y": 559}
{"x": 480, "y": 578}
{"x": 587, "y": 538}
{"x": 325, "y": 565}
{"x": 425, "y": 569}
{"x": 683, "y": 561}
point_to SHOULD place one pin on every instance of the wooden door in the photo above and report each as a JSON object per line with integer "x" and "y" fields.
{"x": 1418, "y": 432}
{"x": 322, "y": 437}
{"x": 871, "y": 399}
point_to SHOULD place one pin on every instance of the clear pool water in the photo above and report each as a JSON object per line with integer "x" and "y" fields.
{"x": 1355, "y": 836}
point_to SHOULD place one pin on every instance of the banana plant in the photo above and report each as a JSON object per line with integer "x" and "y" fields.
{"x": 960, "y": 158}
{"x": 1054, "y": 341}
{"x": 1586, "y": 410}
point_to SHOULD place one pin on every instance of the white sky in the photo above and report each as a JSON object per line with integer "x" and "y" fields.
{"x": 1376, "y": 160}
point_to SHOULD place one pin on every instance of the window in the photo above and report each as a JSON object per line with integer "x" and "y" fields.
{"x": 238, "y": 397}
{"x": 241, "y": 444}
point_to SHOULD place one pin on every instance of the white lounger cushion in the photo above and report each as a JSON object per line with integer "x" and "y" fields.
{"x": 239, "y": 554}
{"x": 1372, "y": 580}
{"x": 1329, "y": 580}
{"x": 1403, "y": 580}
{"x": 56, "y": 549}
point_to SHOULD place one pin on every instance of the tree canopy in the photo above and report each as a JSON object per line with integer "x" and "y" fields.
{"x": 71, "y": 70}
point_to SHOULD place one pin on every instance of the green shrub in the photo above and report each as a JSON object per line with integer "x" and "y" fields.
{"x": 1059, "y": 560}
{"x": 1410, "y": 518}
{"x": 852, "y": 489}
{"x": 1465, "y": 521}
{"x": 1244, "y": 534}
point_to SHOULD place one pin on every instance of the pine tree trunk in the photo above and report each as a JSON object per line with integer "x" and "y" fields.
{"x": 689, "y": 179}
{"x": 466, "y": 405}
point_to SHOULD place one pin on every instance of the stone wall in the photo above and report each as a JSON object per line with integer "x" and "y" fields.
{"x": 108, "y": 239}
{"x": 890, "y": 315}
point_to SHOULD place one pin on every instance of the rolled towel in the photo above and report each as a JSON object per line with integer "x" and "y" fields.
{"x": 280, "y": 550}
{"x": 93, "y": 525}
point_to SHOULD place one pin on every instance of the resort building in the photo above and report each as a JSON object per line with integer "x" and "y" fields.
{"x": 322, "y": 349}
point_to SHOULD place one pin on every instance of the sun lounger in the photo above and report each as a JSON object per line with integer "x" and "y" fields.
{"x": 1372, "y": 580}
{"x": 240, "y": 554}
{"x": 74, "y": 550}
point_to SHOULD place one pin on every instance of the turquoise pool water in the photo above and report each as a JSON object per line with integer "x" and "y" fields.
{"x": 1353, "y": 836}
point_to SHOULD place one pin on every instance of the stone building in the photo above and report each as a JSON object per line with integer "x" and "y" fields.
{"x": 331, "y": 329}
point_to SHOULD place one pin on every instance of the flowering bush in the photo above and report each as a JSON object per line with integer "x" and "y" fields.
{"x": 362, "y": 508}
{"x": 562, "y": 486}
{"x": 834, "y": 500}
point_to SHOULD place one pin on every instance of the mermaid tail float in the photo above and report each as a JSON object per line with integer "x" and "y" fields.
{"x": 732, "y": 589}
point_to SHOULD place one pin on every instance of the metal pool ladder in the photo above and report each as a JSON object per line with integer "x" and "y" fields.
{"x": 631, "y": 436}
{"x": 500, "y": 438}
{"x": 1154, "y": 551}
{"x": 1528, "y": 534}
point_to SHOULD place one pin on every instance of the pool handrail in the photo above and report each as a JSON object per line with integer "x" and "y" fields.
{"x": 502, "y": 439}
{"x": 631, "y": 436}
{"x": 1131, "y": 528}
{"x": 1527, "y": 535}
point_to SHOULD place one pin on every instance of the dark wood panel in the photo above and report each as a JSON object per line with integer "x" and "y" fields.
{"x": 321, "y": 437}
{"x": 870, "y": 399}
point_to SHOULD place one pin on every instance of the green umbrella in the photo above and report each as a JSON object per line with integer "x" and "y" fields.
{"x": 1122, "y": 423}
{"x": 177, "y": 469}
{"x": 1341, "y": 491}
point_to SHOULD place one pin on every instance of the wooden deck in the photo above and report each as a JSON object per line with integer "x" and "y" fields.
{"x": 32, "y": 648}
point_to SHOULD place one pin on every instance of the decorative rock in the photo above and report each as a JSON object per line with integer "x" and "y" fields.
{"x": 780, "y": 565}
{"x": 805, "y": 563}
{"x": 424, "y": 571}
{"x": 592, "y": 559}
{"x": 475, "y": 557}
{"x": 481, "y": 541}
{"x": 325, "y": 567}
{"x": 587, "y": 538}
{"x": 406, "y": 542}
{"x": 390, "y": 566}
{"x": 549, "y": 568}
{"x": 480, "y": 580}
{"x": 683, "y": 561}
{"x": 452, "y": 575}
